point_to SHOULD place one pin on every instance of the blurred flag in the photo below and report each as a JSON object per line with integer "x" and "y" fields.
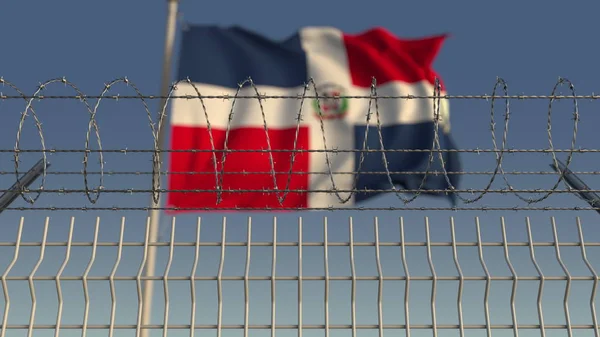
{"x": 216, "y": 60}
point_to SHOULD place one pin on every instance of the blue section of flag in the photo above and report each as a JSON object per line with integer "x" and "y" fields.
{"x": 404, "y": 136}
{"x": 228, "y": 56}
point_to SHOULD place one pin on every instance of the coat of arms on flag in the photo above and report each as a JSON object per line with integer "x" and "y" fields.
{"x": 331, "y": 103}
{"x": 252, "y": 153}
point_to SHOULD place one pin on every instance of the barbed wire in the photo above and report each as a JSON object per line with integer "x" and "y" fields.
{"x": 299, "y": 97}
{"x": 334, "y": 151}
{"x": 166, "y": 173}
{"x": 298, "y": 190}
{"x": 330, "y": 208}
{"x": 499, "y": 144}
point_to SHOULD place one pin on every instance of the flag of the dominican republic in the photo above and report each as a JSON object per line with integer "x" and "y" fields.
{"x": 216, "y": 60}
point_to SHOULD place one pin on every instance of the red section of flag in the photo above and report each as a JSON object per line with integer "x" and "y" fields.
{"x": 378, "y": 53}
{"x": 256, "y": 165}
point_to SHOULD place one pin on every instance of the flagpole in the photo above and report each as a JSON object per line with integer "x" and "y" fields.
{"x": 154, "y": 214}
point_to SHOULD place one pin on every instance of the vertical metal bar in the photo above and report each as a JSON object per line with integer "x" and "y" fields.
{"x": 166, "y": 279}
{"x": 111, "y": 278}
{"x": 513, "y": 309}
{"x": 6, "y": 272}
{"x": 273, "y": 266}
{"x": 30, "y": 279}
{"x": 542, "y": 279}
{"x": 86, "y": 294}
{"x": 380, "y": 281}
{"x": 220, "y": 280}
{"x": 299, "y": 277}
{"x": 593, "y": 271}
{"x": 193, "y": 280}
{"x": 353, "y": 271}
{"x": 569, "y": 278}
{"x": 247, "y": 278}
{"x": 488, "y": 277}
{"x": 326, "y": 264}
{"x": 138, "y": 329}
{"x": 154, "y": 214}
{"x": 58, "y": 277}
{"x": 434, "y": 276}
{"x": 461, "y": 280}
{"x": 149, "y": 271}
{"x": 407, "y": 282}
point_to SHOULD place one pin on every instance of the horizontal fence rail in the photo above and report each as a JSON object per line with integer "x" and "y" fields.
{"x": 92, "y": 180}
{"x": 358, "y": 276}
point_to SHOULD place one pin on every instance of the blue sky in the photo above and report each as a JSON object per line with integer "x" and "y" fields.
{"x": 528, "y": 44}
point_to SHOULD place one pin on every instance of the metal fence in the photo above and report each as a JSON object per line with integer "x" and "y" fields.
{"x": 391, "y": 284}
{"x": 393, "y": 265}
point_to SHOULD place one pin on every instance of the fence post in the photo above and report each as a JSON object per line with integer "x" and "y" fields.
{"x": 171, "y": 25}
